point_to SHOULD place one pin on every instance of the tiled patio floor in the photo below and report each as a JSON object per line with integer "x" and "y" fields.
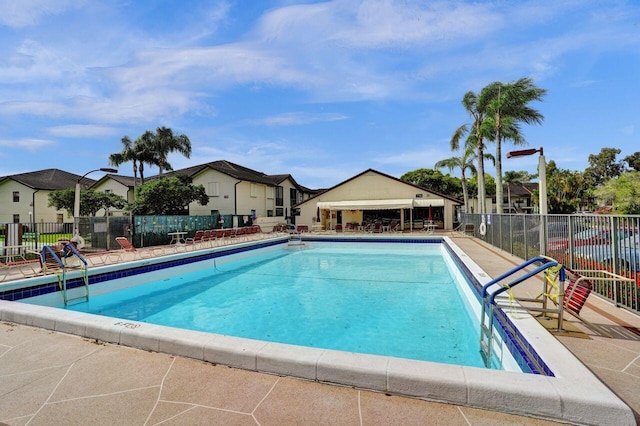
{"x": 50, "y": 378}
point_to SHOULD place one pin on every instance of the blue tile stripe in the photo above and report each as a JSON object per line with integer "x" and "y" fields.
{"x": 524, "y": 354}
{"x": 52, "y": 287}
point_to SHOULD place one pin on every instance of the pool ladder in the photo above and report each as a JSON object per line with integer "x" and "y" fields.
{"x": 494, "y": 288}
{"x": 51, "y": 261}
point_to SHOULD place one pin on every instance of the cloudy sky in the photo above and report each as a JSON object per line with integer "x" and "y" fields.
{"x": 319, "y": 89}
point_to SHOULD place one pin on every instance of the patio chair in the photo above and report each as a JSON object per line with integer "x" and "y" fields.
{"x": 575, "y": 296}
{"x": 207, "y": 236}
{"x": 127, "y": 247}
{"x": 197, "y": 238}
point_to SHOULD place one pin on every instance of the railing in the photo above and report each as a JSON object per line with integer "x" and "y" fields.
{"x": 585, "y": 242}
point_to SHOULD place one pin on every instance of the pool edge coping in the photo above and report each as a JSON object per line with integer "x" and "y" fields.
{"x": 573, "y": 396}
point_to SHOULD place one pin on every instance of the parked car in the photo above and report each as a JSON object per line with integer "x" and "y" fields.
{"x": 556, "y": 232}
{"x": 589, "y": 237}
{"x": 627, "y": 257}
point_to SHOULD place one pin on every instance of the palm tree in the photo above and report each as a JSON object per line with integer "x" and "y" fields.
{"x": 464, "y": 163}
{"x": 165, "y": 142}
{"x": 505, "y": 106}
{"x": 128, "y": 153}
{"x": 145, "y": 151}
{"x": 475, "y": 138}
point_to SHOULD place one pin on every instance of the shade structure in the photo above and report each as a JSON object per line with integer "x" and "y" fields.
{"x": 392, "y": 204}
{"x": 428, "y": 202}
{"x": 389, "y": 204}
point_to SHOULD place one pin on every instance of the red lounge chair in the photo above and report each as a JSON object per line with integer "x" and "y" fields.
{"x": 195, "y": 239}
{"x": 127, "y": 247}
{"x": 575, "y": 296}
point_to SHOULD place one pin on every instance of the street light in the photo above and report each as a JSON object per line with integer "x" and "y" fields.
{"x": 542, "y": 187}
{"x": 76, "y": 204}
{"x": 542, "y": 172}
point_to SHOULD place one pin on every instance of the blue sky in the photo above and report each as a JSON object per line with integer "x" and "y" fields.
{"x": 322, "y": 90}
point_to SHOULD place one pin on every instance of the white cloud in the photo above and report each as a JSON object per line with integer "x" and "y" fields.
{"x": 82, "y": 131}
{"x": 298, "y": 118}
{"x": 25, "y": 13}
{"x": 33, "y": 145}
{"x": 629, "y": 130}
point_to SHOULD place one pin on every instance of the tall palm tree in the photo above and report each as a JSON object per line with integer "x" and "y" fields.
{"x": 127, "y": 154}
{"x": 506, "y": 106}
{"x": 464, "y": 162}
{"x": 145, "y": 151}
{"x": 475, "y": 138}
{"x": 165, "y": 142}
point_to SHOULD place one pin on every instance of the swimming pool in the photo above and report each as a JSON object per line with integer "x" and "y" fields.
{"x": 386, "y": 299}
{"x": 570, "y": 393}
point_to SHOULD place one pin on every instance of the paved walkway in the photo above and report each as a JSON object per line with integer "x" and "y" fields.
{"x": 51, "y": 378}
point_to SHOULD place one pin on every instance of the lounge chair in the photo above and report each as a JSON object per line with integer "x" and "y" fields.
{"x": 14, "y": 263}
{"x": 127, "y": 247}
{"x": 578, "y": 290}
{"x": 465, "y": 229}
{"x": 197, "y": 238}
{"x": 207, "y": 236}
{"x": 394, "y": 226}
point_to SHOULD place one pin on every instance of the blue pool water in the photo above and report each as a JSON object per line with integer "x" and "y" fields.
{"x": 386, "y": 299}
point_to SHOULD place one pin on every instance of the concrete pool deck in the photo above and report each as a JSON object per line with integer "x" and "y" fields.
{"x": 53, "y": 378}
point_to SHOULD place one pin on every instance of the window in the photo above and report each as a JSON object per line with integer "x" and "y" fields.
{"x": 279, "y": 197}
{"x": 279, "y": 211}
{"x": 16, "y": 218}
{"x": 213, "y": 189}
{"x": 293, "y": 196}
{"x": 60, "y": 218}
{"x": 254, "y": 190}
{"x": 253, "y": 214}
{"x": 269, "y": 213}
{"x": 16, "y": 196}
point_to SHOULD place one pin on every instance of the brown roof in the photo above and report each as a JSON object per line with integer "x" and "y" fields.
{"x": 239, "y": 172}
{"x": 123, "y": 180}
{"x": 320, "y": 192}
{"x": 49, "y": 179}
{"x": 520, "y": 189}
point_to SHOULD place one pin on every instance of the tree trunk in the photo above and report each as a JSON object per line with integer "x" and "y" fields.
{"x": 499, "y": 191}
{"x": 481, "y": 190}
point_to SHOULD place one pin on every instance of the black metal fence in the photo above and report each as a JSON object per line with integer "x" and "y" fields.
{"x": 99, "y": 233}
{"x": 581, "y": 242}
